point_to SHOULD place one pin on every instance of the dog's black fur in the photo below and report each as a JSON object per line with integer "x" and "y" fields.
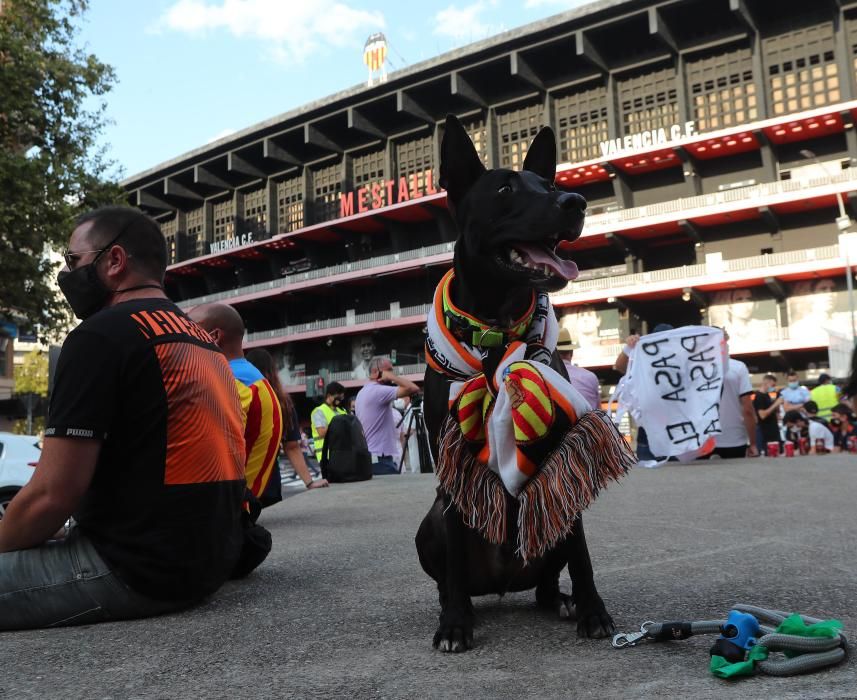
{"x": 493, "y": 210}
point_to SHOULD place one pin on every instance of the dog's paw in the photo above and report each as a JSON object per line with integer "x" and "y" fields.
{"x": 593, "y": 621}
{"x": 454, "y": 637}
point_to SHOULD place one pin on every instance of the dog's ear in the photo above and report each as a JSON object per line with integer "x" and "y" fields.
{"x": 460, "y": 166}
{"x": 541, "y": 155}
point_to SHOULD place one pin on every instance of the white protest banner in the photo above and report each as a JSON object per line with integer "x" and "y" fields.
{"x": 672, "y": 388}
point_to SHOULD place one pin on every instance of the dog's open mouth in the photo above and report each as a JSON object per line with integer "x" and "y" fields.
{"x": 549, "y": 258}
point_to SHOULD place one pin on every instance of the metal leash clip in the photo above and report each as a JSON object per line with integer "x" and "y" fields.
{"x": 631, "y": 639}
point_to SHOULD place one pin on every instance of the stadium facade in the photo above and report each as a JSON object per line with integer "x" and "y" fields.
{"x": 713, "y": 139}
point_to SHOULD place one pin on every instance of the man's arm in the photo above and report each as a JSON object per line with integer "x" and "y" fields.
{"x": 765, "y": 412}
{"x": 621, "y": 364}
{"x": 292, "y": 448}
{"x": 748, "y": 413}
{"x": 62, "y": 476}
{"x": 319, "y": 420}
{"x": 405, "y": 386}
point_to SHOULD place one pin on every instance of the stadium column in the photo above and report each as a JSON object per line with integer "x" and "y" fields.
{"x": 843, "y": 56}
{"x": 347, "y": 176}
{"x": 492, "y": 144}
{"x": 238, "y": 213}
{"x": 272, "y": 224}
{"x": 308, "y": 196}
{"x": 207, "y": 225}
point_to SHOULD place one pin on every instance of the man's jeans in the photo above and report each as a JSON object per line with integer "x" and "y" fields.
{"x": 66, "y": 582}
{"x": 384, "y": 464}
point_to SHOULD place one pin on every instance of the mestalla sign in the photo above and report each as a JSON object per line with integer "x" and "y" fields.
{"x": 385, "y": 192}
{"x": 647, "y": 139}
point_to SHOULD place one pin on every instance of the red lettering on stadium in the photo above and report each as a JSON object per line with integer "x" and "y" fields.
{"x": 385, "y": 192}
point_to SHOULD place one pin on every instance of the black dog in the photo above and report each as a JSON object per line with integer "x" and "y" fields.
{"x": 513, "y": 227}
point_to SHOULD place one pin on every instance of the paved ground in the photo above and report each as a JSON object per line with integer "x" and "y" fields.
{"x": 342, "y": 610}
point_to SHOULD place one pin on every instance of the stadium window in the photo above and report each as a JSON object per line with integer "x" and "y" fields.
{"x": 802, "y": 71}
{"x": 327, "y": 186}
{"x": 723, "y": 89}
{"x": 415, "y": 157}
{"x": 290, "y": 204}
{"x": 170, "y": 229}
{"x": 649, "y": 101}
{"x": 196, "y": 232}
{"x": 224, "y": 220}
{"x": 581, "y": 119}
{"x": 517, "y": 128}
{"x": 256, "y": 211}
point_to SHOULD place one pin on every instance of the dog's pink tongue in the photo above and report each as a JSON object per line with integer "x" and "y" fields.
{"x": 540, "y": 256}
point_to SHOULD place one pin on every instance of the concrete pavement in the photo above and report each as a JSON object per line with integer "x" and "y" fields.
{"x": 341, "y": 609}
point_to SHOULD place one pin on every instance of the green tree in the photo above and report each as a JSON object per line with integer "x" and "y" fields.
{"x": 52, "y": 112}
{"x": 31, "y": 376}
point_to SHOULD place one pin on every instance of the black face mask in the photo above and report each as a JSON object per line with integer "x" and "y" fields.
{"x": 337, "y": 402}
{"x": 84, "y": 290}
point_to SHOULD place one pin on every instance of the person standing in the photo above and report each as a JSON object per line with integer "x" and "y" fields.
{"x": 737, "y": 415}
{"x": 263, "y": 420}
{"x": 144, "y": 446}
{"x": 766, "y": 408}
{"x": 334, "y": 398}
{"x": 264, "y": 362}
{"x": 374, "y": 412}
{"x": 583, "y": 380}
{"x": 825, "y": 395}
{"x": 794, "y": 395}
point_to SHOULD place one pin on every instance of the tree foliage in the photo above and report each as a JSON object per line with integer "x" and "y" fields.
{"x": 31, "y": 376}
{"x": 51, "y": 166}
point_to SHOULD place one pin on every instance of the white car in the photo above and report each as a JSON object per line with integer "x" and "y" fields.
{"x": 18, "y": 456}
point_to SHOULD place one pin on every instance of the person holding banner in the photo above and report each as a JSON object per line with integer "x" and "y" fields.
{"x": 737, "y": 414}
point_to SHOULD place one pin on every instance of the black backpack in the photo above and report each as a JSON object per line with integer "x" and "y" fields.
{"x": 344, "y": 454}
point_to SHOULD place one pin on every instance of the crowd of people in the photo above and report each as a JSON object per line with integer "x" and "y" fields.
{"x": 763, "y": 421}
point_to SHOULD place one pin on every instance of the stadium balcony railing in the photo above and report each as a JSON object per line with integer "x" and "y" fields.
{"x": 588, "y": 290}
{"x": 759, "y": 195}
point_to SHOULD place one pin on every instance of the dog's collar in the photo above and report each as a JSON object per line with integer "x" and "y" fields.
{"x": 471, "y": 330}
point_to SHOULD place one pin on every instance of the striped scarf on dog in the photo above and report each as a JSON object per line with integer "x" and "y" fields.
{"x": 522, "y": 431}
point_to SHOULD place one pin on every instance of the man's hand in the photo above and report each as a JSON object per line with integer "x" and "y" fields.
{"x": 318, "y": 484}
{"x": 632, "y": 340}
{"x": 752, "y": 451}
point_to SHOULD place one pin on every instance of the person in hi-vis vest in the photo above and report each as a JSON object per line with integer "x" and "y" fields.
{"x": 334, "y": 397}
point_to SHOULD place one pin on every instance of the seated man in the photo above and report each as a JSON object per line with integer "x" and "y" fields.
{"x": 842, "y": 424}
{"x": 820, "y": 438}
{"x": 144, "y": 446}
{"x": 263, "y": 421}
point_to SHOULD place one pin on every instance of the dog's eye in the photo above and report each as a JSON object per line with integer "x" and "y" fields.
{"x": 505, "y": 189}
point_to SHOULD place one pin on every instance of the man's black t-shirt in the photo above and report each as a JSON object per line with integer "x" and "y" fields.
{"x": 840, "y": 438}
{"x": 769, "y": 427}
{"x": 164, "y": 505}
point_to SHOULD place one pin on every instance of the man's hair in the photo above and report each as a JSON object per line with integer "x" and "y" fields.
{"x": 823, "y": 378}
{"x": 791, "y": 373}
{"x": 334, "y": 389}
{"x": 771, "y": 377}
{"x": 140, "y": 236}
{"x": 793, "y": 417}
{"x": 222, "y": 316}
{"x": 375, "y": 364}
{"x": 810, "y": 407}
{"x": 843, "y": 409}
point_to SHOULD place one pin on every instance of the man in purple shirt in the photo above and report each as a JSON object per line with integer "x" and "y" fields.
{"x": 581, "y": 379}
{"x": 373, "y": 411}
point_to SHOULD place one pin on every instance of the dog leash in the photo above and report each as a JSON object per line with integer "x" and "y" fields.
{"x": 744, "y": 644}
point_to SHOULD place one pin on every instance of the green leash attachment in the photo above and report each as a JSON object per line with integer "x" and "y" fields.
{"x": 807, "y": 643}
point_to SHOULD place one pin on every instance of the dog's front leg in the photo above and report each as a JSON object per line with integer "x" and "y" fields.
{"x": 593, "y": 620}
{"x": 455, "y": 629}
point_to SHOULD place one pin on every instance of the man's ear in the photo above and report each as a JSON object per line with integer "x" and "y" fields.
{"x": 460, "y": 166}
{"x": 541, "y": 155}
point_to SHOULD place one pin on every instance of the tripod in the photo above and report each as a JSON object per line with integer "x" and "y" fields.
{"x": 414, "y": 416}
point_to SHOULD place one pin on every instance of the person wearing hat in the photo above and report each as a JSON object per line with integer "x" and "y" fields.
{"x": 825, "y": 395}
{"x": 581, "y": 379}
